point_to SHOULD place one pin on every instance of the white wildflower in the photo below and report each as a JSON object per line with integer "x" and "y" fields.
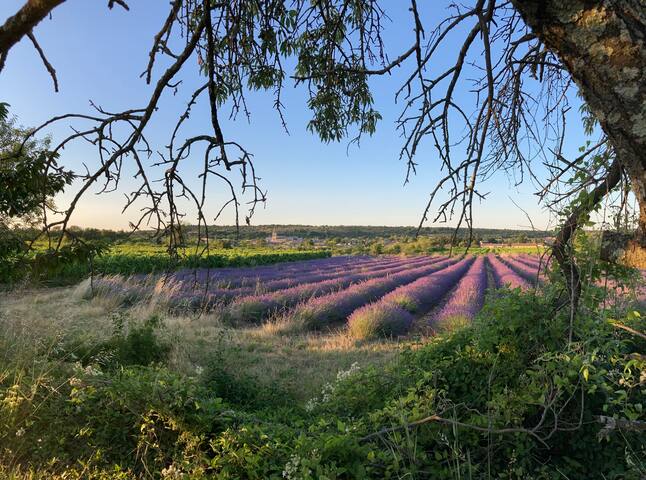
{"x": 311, "y": 405}
{"x": 75, "y": 382}
{"x": 343, "y": 374}
{"x": 328, "y": 389}
{"x": 171, "y": 472}
{"x": 92, "y": 371}
{"x": 294, "y": 469}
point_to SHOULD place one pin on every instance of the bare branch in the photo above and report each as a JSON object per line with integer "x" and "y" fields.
{"x": 48, "y": 66}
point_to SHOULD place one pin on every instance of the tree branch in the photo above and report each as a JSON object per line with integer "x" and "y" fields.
{"x": 22, "y": 23}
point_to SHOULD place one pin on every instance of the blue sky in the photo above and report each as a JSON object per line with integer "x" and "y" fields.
{"x": 99, "y": 54}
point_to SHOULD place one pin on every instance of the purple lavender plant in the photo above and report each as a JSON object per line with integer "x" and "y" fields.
{"x": 289, "y": 290}
{"x": 529, "y": 273}
{"x": 379, "y": 320}
{"x": 256, "y": 307}
{"x": 505, "y": 275}
{"x": 419, "y": 296}
{"x": 414, "y": 298}
{"x": 327, "y": 310}
{"x": 467, "y": 299}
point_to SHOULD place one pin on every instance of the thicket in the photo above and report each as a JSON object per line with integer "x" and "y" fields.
{"x": 507, "y": 397}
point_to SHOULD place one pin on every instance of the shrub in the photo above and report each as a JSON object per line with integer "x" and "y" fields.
{"x": 513, "y": 373}
{"x": 506, "y": 397}
{"x": 131, "y": 343}
{"x": 139, "y": 344}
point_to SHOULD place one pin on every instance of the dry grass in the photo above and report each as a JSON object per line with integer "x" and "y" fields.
{"x": 298, "y": 365}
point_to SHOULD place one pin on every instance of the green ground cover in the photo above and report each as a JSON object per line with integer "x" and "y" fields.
{"x": 131, "y": 258}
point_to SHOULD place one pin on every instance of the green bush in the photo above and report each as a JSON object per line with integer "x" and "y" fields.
{"x": 508, "y": 397}
{"x": 513, "y": 373}
{"x": 132, "y": 419}
{"x": 237, "y": 387}
{"x": 131, "y": 343}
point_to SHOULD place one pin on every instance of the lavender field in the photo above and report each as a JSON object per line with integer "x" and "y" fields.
{"x": 369, "y": 296}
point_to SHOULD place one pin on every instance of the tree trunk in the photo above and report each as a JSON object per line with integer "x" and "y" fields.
{"x": 602, "y": 44}
{"x": 562, "y": 249}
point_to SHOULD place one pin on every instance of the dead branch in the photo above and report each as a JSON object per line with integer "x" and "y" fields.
{"x": 448, "y": 421}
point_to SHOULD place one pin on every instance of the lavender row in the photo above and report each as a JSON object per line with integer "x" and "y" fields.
{"x": 194, "y": 295}
{"x": 270, "y": 284}
{"x": 257, "y": 307}
{"x": 529, "y": 273}
{"x": 324, "y": 311}
{"x": 467, "y": 299}
{"x": 327, "y": 270}
{"x": 318, "y": 277}
{"x": 533, "y": 261}
{"x": 189, "y": 292}
{"x": 236, "y": 272}
{"x": 224, "y": 277}
{"x": 241, "y": 276}
{"x": 394, "y": 313}
{"x": 271, "y": 292}
{"x": 504, "y": 275}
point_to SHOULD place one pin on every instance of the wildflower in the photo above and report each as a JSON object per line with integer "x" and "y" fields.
{"x": 20, "y": 432}
{"x": 343, "y": 374}
{"x": 311, "y": 405}
{"x": 13, "y": 398}
{"x": 75, "y": 382}
{"x": 328, "y": 389}
{"x": 295, "y": 467}
{"x": 93, "y": 371}
{"x": 171, "y": 472}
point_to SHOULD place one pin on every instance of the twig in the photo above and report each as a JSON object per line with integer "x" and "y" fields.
{"x": 447, "y": 421}
{"x": 48, "y": 66}
{"x": 628, "y": 329}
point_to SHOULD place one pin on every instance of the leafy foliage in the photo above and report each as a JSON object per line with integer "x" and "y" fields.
{"x": 30, "y": 178}
{"x": 28, "y": 171}
{"x": 515, "y": 399}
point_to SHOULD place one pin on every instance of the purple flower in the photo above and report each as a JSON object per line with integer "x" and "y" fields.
{"x": 331, "y": 289}
{"x": 505, "y": 275}
{"x": 468, "y": 297}
{"x": 416, "y": 297}
{"x": 529, "y": 273}
{"x": 324, "y": 311}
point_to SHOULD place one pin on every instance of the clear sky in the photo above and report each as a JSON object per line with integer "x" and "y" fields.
{"x": 99, "y": 54}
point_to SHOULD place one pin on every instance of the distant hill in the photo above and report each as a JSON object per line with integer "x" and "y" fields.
{"x": 325, "y": 232}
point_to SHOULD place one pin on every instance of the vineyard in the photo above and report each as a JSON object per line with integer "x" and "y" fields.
{"x": 146, "y": 260}
{"x": 371, "y": 296}
{"x": 138, "y": 258}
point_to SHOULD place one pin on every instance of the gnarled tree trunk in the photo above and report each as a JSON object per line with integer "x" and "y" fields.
{"x": 602, "y": 44}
